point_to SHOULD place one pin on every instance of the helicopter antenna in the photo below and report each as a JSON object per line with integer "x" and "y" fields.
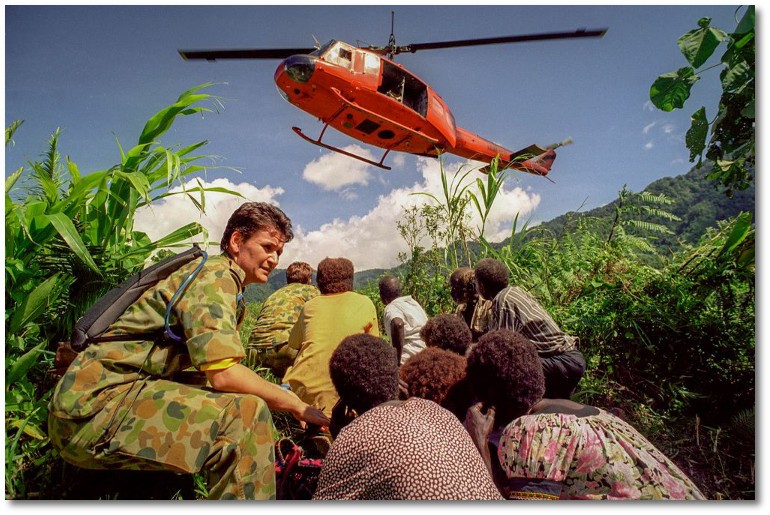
{"x": 317, "y": 43}
{"x": 392, "y": 41}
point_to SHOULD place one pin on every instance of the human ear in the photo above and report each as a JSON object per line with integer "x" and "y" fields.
{"x": 236, "y": 239}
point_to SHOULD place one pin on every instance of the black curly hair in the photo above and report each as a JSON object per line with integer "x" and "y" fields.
{"x": 364, "y": 370}
{"x": 448, "y": 332}
{"x": 432, "y": 372}
{"x": 504, "y": 371}
{"x": 491, "y": 277}
{"x": 334, "y": 275}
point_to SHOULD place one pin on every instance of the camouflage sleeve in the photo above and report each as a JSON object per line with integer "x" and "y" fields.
{"x": 297, "y": 335}
{"x": 208, "y": 311}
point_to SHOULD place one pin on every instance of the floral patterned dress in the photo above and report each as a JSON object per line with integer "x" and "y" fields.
{"x": 594, "y": 457}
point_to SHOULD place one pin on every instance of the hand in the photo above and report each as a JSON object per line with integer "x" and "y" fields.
{"x": 479, "y": 424}
{"x": 314, "y": 416}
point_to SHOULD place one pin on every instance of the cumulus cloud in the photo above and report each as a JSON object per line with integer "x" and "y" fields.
{"x": 649, "y": 145}
{"x": 370, "y": 240}
{"x": 668, "y": 128}
{"x": 164, "y": 217}
{"x": 373, "y": 241}
{"x": 333, "y": 171}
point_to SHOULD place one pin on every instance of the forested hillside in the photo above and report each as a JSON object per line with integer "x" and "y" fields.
{"x": 696, "y": 201}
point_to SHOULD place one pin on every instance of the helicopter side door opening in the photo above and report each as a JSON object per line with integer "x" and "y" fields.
{"x": 404, "y": 88}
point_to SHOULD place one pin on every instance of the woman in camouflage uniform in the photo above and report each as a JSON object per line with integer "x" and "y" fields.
{"x": 122, "y": 405}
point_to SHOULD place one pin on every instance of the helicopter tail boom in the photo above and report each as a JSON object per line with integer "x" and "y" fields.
{"x": 532, "y": 159}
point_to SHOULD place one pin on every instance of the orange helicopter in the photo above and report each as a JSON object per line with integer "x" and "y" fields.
{"x": 362, "y": 92}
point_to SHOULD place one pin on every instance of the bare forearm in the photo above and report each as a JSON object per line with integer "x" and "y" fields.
{"x": 241, "y": 379}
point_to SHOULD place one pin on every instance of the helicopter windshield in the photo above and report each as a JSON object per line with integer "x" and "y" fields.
{"x": 403, "y": 87}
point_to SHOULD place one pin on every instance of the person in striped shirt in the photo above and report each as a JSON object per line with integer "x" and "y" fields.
{"x": 516, "y": 309}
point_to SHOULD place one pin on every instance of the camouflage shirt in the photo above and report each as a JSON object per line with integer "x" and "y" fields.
{"x": 278, "y": 314}
{"x": 208, "y": 314}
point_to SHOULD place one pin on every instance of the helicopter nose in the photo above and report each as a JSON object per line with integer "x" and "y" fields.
{"x": 299, "y": 68}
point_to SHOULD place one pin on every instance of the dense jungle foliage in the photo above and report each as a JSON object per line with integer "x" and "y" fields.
{"x": 666, "y": 317}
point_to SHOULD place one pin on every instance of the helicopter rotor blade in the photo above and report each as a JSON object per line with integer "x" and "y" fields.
{"x": 580, "y": 33}
{"x": 256, "y": 53}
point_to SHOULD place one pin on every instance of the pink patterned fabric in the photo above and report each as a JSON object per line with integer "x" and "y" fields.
{"x": 595, "y": 457}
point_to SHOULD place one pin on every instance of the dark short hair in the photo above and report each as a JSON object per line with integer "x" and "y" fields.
{"x": 299, "y": 272}
{"x": 253, "y": 217}
{"x": 448, "y": 332}
{"x": 335, "y": 275}
{"x": 432, "y": 372}
{"x": 492, "y": 275}
{"x": 390, "y": 288}
{"x": 505, "y": 371}
{"x": 364, "y": 371}
{"x": 462, "y": 285}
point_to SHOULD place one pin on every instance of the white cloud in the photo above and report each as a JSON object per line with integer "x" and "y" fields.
{"x": 668, "y": 128}
{"x": 370, "y": 241}
{"x": 334, "y": 171}
{"x": 373, "y": 241}
{"x": 648, "y": 127}
{"x": 649, "y": 106}
{"x": 164, "y": 217}
{"x": 649, "y": 145}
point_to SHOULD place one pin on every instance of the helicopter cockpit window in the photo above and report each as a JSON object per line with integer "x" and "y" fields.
{"x": 371, "y": 63}
{"x": 340, "y": 54}
{"x": 404, "y": 88}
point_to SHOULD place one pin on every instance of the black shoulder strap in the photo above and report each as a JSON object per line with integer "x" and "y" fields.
{"x": 114, "y": 303}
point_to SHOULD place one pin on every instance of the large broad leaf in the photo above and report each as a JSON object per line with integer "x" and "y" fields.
{"x": 671, "y": 90}
{"x": 747, "y": 22}
{"x": 22, "y": 365}
{"x": 34, "y": 304}
{"x": 695, "y": 138}
{"x": 71, "y": 237}
{"x": 699, "y": 44}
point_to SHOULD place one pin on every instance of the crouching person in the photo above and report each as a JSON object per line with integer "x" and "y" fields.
{"x": 120, "y": 405}
{"x": 388, "y": 449}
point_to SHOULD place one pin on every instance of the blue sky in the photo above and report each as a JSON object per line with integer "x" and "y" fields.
{"x": 100, "y": 72}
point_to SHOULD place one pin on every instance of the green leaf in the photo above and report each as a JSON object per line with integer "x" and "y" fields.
{"x": 747, "y": 23}
{"x": 699, "y": 44}
{"x": 736, "y": 76}
{"x": 671, "y": 90}
{"x": 738, "y": 233}
{"x": 22, "y": 365}
{"x": 139, "y": 181}
{"x": 71, "y": 237}
{"x": 29, "y": 429}
{"x": 11, "y": 179}
{"x": 33, "y": 304}
{"x": 73, "y": 169}
{"x": 695, "y": 139}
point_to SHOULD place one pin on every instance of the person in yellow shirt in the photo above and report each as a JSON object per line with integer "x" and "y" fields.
{"x": 323, "y": 323}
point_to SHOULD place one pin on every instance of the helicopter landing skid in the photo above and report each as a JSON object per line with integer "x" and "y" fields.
{"x": 319, "y": 143}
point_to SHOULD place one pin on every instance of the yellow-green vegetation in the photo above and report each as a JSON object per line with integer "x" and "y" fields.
{"x": 669, "y": 336}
